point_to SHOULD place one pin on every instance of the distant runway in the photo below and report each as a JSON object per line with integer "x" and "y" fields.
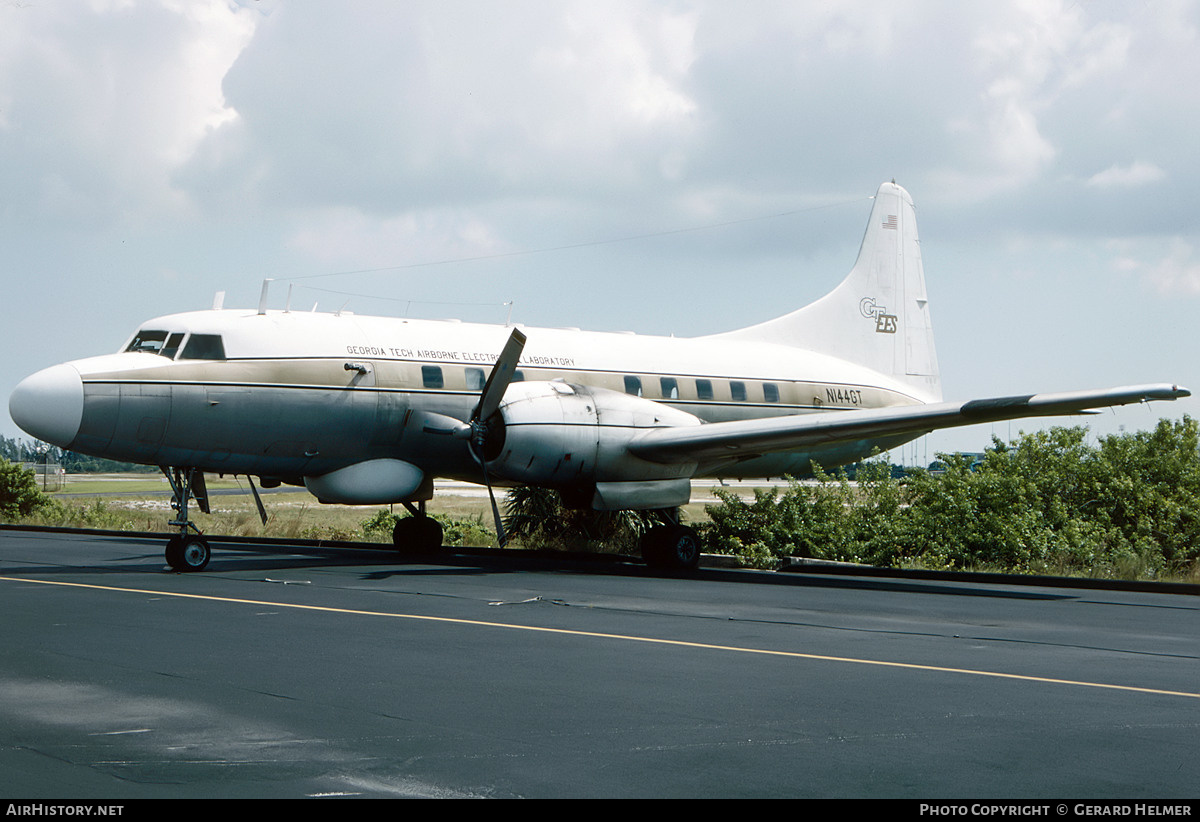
{"x": 288, "y": 672}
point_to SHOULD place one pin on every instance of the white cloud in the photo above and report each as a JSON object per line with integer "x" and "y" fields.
{"x": 388, "y": 106}
{"x": 103, "y": 102}
{"x": 1137, "y": 174}
{"x": 631, "y": 64}
{"x": 1031, "y": 55}
{"x": 1177, "y": 272}
{"x": 339, "y": 237}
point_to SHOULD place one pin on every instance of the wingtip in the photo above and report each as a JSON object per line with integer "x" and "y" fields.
{"x": 1174, "y": 392}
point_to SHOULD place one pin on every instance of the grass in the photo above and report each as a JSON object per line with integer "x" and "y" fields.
{"x": 290, "y": 514}
{"x": 142, "y": 503}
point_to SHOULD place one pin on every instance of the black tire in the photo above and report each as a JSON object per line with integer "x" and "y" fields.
{"x": 186, "y": 554}
{"x": 681, "y": 548}
{"x": 671, "y": 547}
{"x": 417, "y": 534}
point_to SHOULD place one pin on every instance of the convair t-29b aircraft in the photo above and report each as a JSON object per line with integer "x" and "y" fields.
{"x": 369, "y": 410}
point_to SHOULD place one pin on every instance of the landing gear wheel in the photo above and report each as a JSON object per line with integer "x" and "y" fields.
{"x": 671, "y": 547}
{"x": 188, "y": 553}
{"x": 420, "y": 534}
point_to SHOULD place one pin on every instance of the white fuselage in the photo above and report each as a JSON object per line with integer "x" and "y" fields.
{"x": 292, "y": 394}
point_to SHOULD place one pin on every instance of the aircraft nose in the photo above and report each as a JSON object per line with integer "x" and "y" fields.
{"x": 48, "y": 405}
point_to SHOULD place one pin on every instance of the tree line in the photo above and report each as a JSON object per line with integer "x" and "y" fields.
{"x": 37, "y": 452}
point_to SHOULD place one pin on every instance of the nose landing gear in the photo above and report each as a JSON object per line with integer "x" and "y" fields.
{"x": 187, "y": 551}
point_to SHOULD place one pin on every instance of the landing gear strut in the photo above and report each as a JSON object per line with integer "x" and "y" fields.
{"x": 671, "y": 546}
{"x": 187, "y": 551}
{"x": 419, "y": 533}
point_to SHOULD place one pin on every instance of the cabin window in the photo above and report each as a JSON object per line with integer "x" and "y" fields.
{"x": 738, "y": 391}
{"x": 204, "y": 347}
{"x": 431, "y": 376}
{"x": 633, "y": 385}
{"x": 770, "y": 392}
{"x": 704, "y": 389}
{"x": 670, "y": 388}
{"x": 518, "y": 376}
{"x": 475, "y": 379}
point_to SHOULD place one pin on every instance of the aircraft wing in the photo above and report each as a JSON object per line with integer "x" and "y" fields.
{"x": 748, "y": 438}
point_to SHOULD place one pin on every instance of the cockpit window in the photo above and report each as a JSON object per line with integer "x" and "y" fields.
{"x": 166, "y": 343}
{"x": 150, "y": 342}
{"x": 204, "y": 347}
{"x": 172, "y": 346}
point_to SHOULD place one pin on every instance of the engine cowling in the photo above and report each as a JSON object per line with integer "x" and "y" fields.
{"x": 571, "y": 436}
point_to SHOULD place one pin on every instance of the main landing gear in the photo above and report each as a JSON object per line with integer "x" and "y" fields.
{"x": 671, "y": 546}
{"x": 419, "y": 533}
{"x": 187, "y": 551}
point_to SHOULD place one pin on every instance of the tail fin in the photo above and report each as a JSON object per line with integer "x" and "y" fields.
{"x": 879, "y": 316}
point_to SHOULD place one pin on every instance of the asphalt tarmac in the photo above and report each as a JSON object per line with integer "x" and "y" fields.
{"x": 284, "y": 672}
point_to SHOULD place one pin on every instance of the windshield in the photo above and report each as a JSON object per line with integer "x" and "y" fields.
{"x": 156, "y": 342}
{"x": 151, "y": 342}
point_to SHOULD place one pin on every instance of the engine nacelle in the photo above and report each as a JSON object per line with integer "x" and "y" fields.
{"x": 571, "y": 436}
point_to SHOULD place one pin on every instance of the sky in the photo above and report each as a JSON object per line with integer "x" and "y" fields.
{"x": 662, "y": 167}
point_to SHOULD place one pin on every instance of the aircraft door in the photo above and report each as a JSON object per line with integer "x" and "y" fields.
{"x": 145, "y": 412}
{"x": 391, "y": 412}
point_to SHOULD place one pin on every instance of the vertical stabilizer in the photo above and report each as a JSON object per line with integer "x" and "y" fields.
{"x": 879, "y": 316}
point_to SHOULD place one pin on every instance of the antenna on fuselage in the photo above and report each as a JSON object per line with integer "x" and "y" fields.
{"x": 262, "y": 300}
{"x": 218, "y": 301}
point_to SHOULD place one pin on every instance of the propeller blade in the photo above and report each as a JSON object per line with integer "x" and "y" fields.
{"x": 489, "y": 402}
{"x": 262, "y": 512}
{"x": 498, "y": 381}
{"x": 501, "y": 537}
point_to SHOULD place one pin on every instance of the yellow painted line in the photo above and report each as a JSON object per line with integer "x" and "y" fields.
{"x": 678, "y": 643}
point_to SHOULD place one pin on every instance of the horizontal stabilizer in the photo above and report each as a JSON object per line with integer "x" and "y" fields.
{"x": 744, "y": 438}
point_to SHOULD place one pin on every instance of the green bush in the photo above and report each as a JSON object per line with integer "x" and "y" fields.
{"x": 94, "y": 514}
{"x": 19, "y": 494}
{"x": 536, "y": 518}
{"x": 378, "y": 527}
{"x": 1047, "y": 502}
{"x": 456, "y": 531}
